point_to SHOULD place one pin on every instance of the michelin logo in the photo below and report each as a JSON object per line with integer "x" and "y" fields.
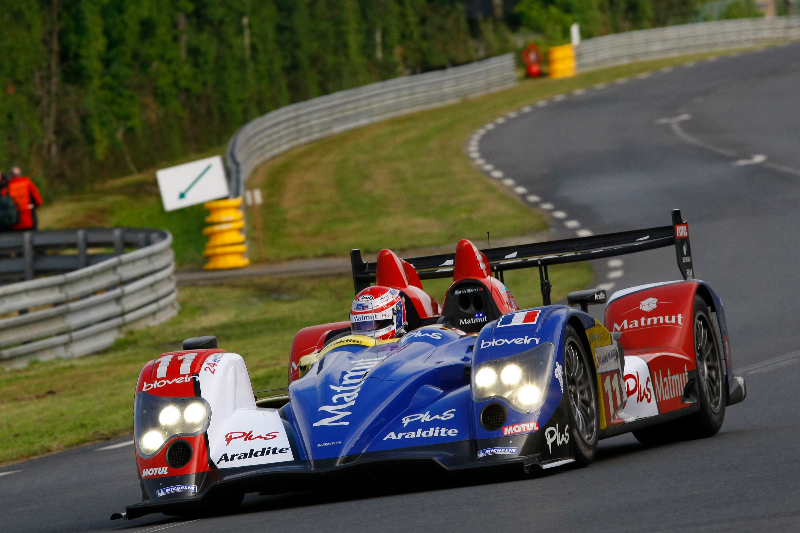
{"x": 497, "y": 451}
{"x": 175, "y": 488}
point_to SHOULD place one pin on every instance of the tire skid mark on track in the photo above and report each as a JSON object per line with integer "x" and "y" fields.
{"x": 168, "y": 526}
{"x": 771, "y": 364}
{"x": 752, "y": 160}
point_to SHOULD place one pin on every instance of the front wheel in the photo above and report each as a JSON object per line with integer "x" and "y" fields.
{"x": 581, "y": 387}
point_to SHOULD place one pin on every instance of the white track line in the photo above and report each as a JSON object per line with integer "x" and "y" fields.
{"x": 115, "y": 446}
{"x": 11, "y": 472}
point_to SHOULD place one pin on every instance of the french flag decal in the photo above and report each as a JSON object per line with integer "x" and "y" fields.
{"x": 517, "y": 319}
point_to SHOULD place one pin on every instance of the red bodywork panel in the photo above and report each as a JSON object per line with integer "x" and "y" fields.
{"x": 173, "y": 374}
{"x": 397, "y": 274}
{"x": 471, "y": 263}
{"x": 309, "y": 340}
{"x": 657, "y": 325}
{"x": 156, "y": 466}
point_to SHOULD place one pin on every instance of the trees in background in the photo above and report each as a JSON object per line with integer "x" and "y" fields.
{"x": 93, "y": 89}
{"x": 98, "y": 88}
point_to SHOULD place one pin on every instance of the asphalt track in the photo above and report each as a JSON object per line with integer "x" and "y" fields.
{"x": 600, "y": 160}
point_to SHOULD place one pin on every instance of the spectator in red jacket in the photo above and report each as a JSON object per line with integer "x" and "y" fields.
{"x": 26, "y": 198}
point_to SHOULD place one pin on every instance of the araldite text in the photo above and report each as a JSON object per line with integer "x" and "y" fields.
{"x": 253, "y": 453}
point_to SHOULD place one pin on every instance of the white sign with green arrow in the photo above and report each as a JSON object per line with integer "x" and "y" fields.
{"x": 192, "y": 183}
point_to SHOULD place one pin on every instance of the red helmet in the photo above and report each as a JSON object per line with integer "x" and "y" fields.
{"x": 378, "y": 312}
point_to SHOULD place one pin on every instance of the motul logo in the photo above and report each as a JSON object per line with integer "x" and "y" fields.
{"x": 682, "y": 231}
{"x": 526, "y": 427}
{"x": 160, "y": 471}
{"x": 649, "y": 321}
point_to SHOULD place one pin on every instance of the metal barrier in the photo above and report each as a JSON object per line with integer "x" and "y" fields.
{"x": 83, "y": 311}
{"x": 303, "y": 122}
{"x": 632, "y": 46}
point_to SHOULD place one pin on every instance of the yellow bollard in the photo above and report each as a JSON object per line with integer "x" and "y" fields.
{"x": 225, "y": 234}
{"x": 226, "y": 245}
{"x": 561, "y": 61}
{"x": 227, "y": 210}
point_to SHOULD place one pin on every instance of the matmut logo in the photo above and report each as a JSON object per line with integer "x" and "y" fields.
{"x": 648, "y": 304}
{"x": 674, "y": 320}
{"x": 518, "y": 319}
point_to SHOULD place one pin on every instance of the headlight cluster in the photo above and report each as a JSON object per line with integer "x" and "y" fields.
{"x": 520, "y": 379}
{"x": 158, "y": 419}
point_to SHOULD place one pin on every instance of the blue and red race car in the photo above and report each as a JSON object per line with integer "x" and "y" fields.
{"x": 474, "y": 383}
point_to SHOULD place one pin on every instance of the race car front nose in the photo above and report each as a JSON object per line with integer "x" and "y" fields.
{"x": 159, "y": 419}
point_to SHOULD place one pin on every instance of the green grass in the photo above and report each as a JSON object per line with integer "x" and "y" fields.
{"x": 48, "y": 407}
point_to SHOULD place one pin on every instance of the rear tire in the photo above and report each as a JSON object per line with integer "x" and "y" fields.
{"x": 710, "y": 383}
{"x": 581, "y": 389}
{"x": 710, "y": 377}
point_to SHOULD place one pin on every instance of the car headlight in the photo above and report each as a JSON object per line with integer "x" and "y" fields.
{"x": 486, "y": 377}
{"x": 523, "y": 378}
{"x": 158, "y": 419}
{"x": 195, "y": 413}
{"x": 169, "y": 416}
{"x": 151, "y": 441}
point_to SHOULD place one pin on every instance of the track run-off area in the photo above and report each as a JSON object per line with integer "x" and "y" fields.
{"x": 717, "y": 139}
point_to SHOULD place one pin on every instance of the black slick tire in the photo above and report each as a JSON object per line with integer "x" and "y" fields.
{"x": 581, "y": 391}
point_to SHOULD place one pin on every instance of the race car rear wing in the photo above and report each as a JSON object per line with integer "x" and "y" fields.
{"x": 543, "y": 254}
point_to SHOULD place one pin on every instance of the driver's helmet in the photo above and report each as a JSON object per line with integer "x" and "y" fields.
{"x": 378, "y": 312}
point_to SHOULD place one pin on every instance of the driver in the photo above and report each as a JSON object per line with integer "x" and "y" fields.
{"x": 378, "y": 312}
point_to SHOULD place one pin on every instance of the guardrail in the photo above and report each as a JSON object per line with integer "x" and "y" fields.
{"x": 303, "y": 122}
{"x": 641, "y": 45}
{"x": 84, "y": 310}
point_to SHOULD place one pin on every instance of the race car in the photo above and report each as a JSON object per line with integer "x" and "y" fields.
{"x": 475, "y": 383}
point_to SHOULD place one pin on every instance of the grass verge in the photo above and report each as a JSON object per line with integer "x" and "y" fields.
{"x": 48, "y": 407}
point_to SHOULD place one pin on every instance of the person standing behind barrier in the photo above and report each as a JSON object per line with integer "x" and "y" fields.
{"x": 26, "y": 199}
